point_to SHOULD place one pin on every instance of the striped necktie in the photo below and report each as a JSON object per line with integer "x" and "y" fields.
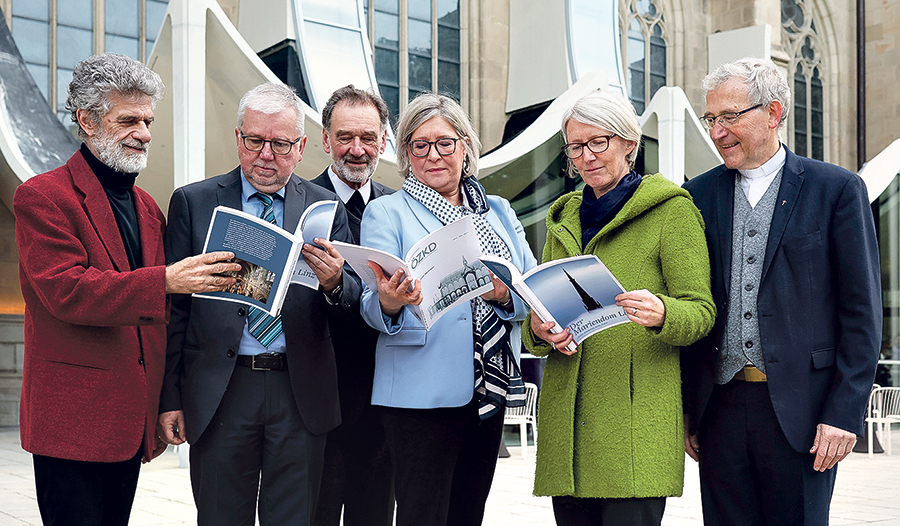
{"x": 263, "y": 327}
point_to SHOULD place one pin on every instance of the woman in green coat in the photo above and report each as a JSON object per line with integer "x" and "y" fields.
{"x": 611, "y": 436}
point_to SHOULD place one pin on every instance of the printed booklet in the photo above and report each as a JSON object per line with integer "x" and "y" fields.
{"x": 445, "y": 261}
{"x": 577, "y": 292}
{"x": 270, "y": 257}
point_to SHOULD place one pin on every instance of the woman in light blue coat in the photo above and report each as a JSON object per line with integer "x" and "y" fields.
{"x": 443, "y": 391}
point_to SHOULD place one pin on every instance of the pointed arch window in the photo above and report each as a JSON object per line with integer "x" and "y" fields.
{"x": 807, "y": 119}
{"x": 644, "y": 35}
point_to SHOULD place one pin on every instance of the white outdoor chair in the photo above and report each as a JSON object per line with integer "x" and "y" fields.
{"x": 522, "y": 416}
{"x": 884, "y": 410}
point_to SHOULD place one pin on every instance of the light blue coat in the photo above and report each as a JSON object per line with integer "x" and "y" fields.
{"x": 420, "y": 369}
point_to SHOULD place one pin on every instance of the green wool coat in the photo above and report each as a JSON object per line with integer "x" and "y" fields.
{"x": 610, "y": 423}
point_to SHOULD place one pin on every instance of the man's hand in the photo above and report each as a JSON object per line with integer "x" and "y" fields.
{"x": 170, "y": 427}
{"x": 327, "y": 264}
{"x": 158, "y": 449}
{"x": 832, "y": 445}
{"x": 200, "y": 273}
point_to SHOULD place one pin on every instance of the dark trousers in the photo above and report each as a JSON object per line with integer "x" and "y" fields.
{"x": 444, "y": 462}
{"x": 576, "y": 511}
{"x": 357, "y": 475}
{"x": 749, "y": 473}
{"x": 256, "y": 445}
{"x": 76, "y": 493}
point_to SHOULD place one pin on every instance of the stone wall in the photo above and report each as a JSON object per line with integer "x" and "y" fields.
{"x": 882, "y": 75}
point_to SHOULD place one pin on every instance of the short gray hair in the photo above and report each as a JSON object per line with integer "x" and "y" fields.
{"x": 271, "y": 98}
{"x": 354, "y": 97}
{"x": 765, "y": 82}
{"x": 424, "y": 108}
{"x": 97, "y": 76}
{"x": 610, "y": 111}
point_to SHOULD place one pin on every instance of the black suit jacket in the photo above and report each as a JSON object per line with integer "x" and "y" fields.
{"x": 354, "y": 340}
{"x": 204, "y": 335}
{"x": 819, "y": 302}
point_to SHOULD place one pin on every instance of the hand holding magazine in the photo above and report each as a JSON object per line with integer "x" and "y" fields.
{"x": 578, "y": 293}
{"x": 270, "y": 257}
{"x": 445, "y": 261}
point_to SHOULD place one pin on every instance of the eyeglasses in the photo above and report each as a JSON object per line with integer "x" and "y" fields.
{"x": 727, "y": 119}
{"x": 365, "y": 140}
{"x": 444, "y": 146}
{"x": 279, "y": 146}
{"x": 598, "y": 144}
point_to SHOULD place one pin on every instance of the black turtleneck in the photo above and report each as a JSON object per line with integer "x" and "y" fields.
{"x": 118, "y": 187}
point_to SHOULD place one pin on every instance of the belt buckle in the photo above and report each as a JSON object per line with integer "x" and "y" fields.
{"x": 254, "y": 367}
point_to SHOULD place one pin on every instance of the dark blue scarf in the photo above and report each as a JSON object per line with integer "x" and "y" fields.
{"x": 596, "y": 213}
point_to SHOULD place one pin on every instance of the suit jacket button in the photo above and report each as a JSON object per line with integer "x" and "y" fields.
{"x": 241, "y": 311}
{"x": 230, "y": 353}
{"x": 141, "y": 360}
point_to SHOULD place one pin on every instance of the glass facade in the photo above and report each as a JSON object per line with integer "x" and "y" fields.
{"x": 51, "y": 46}
{"x": 807, "y": 121}
{"x": 645, "y": 51}
{"x": 416, "y": 48}
{"x": 887, "y": 222}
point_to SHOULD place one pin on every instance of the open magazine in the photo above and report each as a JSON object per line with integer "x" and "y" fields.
{"x": 577, "y": 292}
{"x": 270, "y": 257}
{"x": 445, "y": 261}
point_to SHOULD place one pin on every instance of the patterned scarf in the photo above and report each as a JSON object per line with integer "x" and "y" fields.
{"x": 498, "y": 381}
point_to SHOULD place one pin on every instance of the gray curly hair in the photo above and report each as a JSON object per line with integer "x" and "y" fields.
{"x": 765, "y": 82}
{"x": 97, "y": 76}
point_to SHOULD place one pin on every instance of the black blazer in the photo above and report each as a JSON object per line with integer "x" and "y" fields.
{"x": 378, "y": 190}
{"x": 819, "y": 302}
{"x": 354, "y": 340}
{"x": 204, "y": 335}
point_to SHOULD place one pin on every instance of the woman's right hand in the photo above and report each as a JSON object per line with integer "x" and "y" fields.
{"x": 396, "y": 291}
{"x": 559, "y": 340}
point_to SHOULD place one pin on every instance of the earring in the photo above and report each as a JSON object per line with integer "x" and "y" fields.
{"x": 466, "y": 166}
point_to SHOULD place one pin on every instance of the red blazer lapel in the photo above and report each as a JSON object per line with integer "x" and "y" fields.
{"x": 99, "y": 212}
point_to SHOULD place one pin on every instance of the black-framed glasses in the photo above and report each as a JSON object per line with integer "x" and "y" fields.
{"x": 727, "y": 119}
{"x": 598, "y": 144}
{"x": 279, "y": 146}
{"x": 444, "y": 146}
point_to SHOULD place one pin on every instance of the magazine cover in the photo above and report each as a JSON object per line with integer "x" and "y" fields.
{"x": 445, "y": 261}
{"x": 577, "y": 292}
{"x": 265, "y": 252}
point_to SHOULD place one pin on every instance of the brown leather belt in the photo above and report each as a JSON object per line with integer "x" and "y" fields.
{"x": 750, "y": 374}
{"x": 263, "y": 362}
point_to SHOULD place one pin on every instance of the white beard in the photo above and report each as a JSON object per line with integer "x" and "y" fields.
{"x": 113, "y": 153}
{"x": 355, "y": 175}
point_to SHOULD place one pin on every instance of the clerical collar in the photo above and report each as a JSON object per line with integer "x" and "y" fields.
{"x": 111, "y": 180}
{"x": 768, "y": 168}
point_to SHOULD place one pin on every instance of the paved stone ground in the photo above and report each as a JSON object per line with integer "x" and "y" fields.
{"x": 867, "y": 492}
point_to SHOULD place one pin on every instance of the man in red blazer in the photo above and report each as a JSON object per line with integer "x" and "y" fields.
{"x": 95, "y": 284}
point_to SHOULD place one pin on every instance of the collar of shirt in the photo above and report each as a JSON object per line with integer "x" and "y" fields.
{"x": 755, "y": 182}
{"x": 252, "y": 204}
{"x": 345, "y": 192}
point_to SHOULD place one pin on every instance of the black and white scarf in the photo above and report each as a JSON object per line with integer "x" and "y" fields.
{"x": 498, "y": 380}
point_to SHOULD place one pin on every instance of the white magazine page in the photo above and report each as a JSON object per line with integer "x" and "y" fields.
{"x": 447, "y": 264}
{"x": 316, "y": 221}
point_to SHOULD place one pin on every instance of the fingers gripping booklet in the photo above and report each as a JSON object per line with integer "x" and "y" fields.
{"x": 445, "y": 261}
{"x": 270, "y": 257}
{"x": 578, "y": 293}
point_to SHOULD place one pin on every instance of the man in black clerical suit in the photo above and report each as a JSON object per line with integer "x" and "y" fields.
{"x": 254, "y": 396}
{"x": 357, "y": 473}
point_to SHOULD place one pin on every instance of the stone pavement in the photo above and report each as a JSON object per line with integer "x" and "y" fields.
{"x": 867, "y": 492}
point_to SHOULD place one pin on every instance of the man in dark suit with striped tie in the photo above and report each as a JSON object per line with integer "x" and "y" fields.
{"x": 256, "y": 395}
{"x": 358, "y": 475}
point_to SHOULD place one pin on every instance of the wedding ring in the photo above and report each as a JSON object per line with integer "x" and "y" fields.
{"x": 634, "y": 311}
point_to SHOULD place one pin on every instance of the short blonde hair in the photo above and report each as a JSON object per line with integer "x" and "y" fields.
{"x": 426, "y": 107}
